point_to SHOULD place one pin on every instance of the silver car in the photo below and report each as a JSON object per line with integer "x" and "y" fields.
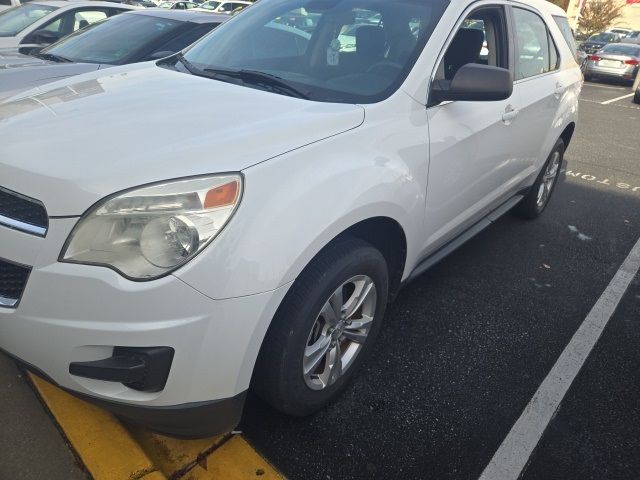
{"x": 614, "y": 61}
{"x": 131, "y": 37}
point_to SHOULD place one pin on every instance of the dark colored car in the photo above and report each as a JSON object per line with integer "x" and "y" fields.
{"x": 597, "y": 41}
{"x": 136, "y": 36}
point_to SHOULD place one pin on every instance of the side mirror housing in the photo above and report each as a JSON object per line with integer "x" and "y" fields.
{"x": 45, "y": 37}
{"x": 474, "y": 83}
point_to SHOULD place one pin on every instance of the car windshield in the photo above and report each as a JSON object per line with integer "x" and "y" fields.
{"x": 602, "y": 37}
{"x": 14, "y": 20}
{"x": 348, "y": 51}
{"x": 116, "y": 40}
{"x": 211, "y": 5}
{"x": 617, "y": 49}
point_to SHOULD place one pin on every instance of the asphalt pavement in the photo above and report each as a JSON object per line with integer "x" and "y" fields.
{"x": 465, "y": 347}
{"x": 31, "y": 447}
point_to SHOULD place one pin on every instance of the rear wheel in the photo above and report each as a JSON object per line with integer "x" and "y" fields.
{"x": 324, "y": 328}
{"x": 636, "y": 97}
{"x": 534, "y": 203}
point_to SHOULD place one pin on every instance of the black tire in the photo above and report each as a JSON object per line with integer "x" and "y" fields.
{"x": 278, "y": 376}
{"x": 636, "y": 97}
{"x": 530, "y": 207}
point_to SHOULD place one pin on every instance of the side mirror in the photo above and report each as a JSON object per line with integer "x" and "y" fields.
{"x": 162, "y": 54}
{"x": 30, "y": 50}
{"x": 474, "y": 82}
{"x": 45, "y": 37}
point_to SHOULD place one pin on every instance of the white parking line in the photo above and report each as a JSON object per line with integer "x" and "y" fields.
{"x": 595, "y": 85}
{"x": 516, "y": 449}
{"x": 616, "y": 99}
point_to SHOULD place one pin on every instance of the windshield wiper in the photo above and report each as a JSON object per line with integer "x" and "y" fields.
{"x": 190, "y": 68}
{"x": 255, "y": 77}
{"x": 53, "y": 57}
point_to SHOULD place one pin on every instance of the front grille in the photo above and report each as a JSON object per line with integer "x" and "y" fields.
{"x": 13, "y": 279}
{"x": 22, "y": 213}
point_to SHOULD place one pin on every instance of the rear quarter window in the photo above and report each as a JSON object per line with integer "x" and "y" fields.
{"x": 567, "y": 34}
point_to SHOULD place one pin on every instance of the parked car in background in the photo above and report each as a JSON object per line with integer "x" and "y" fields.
{"x": 225, "y": 6}
{"x": 633, "y": 37}
{"x": 137, "y": 3}
{"x": 128, "y": 38}
{"x": 241, "y": 214}
{"x": 179, "y": 5}
{"x": 619, "y": 61}
{"x": 597, "y": 41}
{"x": 36, "y": 24}
{"x": 300, "y": 20}
{"x": 623, "y": 32}
{"x": 4, "y": 4}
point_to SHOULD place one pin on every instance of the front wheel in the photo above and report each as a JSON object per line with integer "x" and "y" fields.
{"x": 324, "y": 328}
{"x": 534, "y": 203}
{"x": 636, "y": 97}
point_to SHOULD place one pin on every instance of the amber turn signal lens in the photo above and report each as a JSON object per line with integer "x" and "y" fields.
{"x": 222, "y": 196}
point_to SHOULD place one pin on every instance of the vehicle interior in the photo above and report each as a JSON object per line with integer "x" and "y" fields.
{"x": 329, "y": 45}
{"x": 482, "y": 39}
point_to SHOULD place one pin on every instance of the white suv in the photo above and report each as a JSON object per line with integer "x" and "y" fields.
{"x": 161, "y": 272}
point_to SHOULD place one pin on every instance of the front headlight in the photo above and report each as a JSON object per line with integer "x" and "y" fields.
{"x": 148, "y": 232}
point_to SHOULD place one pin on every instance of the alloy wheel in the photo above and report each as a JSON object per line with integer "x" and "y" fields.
{"x": 548, "y": 179}
{"x": 339, "y": 332}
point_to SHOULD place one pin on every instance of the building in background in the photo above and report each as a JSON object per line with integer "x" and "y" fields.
{"x": 630, "y": 14}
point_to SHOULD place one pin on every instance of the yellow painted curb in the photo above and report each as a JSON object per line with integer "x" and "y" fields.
{"x": 235, "y": 460}
{"x": 112, "y": 451}
{"x": 99, "y": 439}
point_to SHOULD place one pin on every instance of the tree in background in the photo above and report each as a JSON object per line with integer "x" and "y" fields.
{"x": 598, "y": 15}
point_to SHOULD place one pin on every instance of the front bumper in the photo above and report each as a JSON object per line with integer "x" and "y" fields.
{"x": 76, "y": 313}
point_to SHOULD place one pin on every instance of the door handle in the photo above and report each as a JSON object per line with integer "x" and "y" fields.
{"x": 559, "y": 90}
{"x": 509, "y": 114}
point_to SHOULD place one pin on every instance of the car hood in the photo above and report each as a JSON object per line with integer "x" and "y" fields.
{"x": 20, "y": 78}
{"x": 76, "y": 141}
{"x": 9, "y": 43}
{"x": 11, "y": 58}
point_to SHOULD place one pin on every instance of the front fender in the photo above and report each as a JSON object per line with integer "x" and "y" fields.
{"x": 295, "y": 204}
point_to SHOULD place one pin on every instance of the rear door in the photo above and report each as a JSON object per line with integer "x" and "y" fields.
{"x": 538, "y": 85}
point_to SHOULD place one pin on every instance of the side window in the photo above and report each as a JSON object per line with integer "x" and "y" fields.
{"x": 55, "y": 26}
{"x": 5, "y": 2}
{"x": 482, "y": 38}
{"x": 87, "y": 17}
{"x": 567, "y": 33}
{"x": 225, "y": 7}
{"x": 536, "y": 53}
{"x": 73, "y": 20}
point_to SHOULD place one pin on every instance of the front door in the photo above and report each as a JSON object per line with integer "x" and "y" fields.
{"x": 472, "y": 143}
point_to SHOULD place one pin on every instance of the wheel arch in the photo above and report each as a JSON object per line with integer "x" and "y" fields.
{"x": 567, "y": 134}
